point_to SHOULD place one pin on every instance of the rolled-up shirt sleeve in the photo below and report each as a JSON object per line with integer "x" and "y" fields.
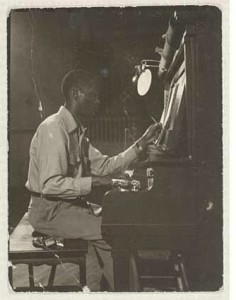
{"x": 102, "y": 165}
{"x": 52, "y": 157}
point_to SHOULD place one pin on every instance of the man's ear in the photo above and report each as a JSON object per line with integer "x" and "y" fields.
{"x": 74, "y": 92}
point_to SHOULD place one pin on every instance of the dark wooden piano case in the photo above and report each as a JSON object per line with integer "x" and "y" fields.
{"x": 176, "y": 213}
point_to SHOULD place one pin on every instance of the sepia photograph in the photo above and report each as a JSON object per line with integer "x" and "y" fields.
{"x": 115, "y": 162}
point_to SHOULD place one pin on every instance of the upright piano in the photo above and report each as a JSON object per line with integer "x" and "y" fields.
{"x": 175, "y": 211}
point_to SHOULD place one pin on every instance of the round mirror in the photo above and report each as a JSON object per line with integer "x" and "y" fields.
{"x": 144, "y": 82}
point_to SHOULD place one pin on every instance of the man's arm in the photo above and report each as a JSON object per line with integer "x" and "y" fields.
{"x": 102, "y": 165}
{"x": 52, "y": 157}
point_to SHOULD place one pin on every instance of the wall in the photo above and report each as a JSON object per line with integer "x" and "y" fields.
{"x": 45, "y": 44}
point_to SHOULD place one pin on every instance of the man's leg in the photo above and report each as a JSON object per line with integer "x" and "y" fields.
{"x": 75, "y": 222}
{"x": 103, "y": 252}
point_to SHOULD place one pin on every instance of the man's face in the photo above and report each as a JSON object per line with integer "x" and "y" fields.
{"x": 88, "y": 100}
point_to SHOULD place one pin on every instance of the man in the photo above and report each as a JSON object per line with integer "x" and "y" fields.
{"x": 64, "y": 167}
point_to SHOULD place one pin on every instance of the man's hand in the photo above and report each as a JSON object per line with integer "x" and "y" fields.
{"x": 101, "y": 181}
{"x": 150, "y": 135}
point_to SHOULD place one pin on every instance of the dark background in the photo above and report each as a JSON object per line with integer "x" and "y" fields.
{"x": 43, "y": 45}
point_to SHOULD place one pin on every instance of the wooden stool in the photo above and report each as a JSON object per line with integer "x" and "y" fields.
{"x": 22, "y": 251}
{"x": 158, "y": 270}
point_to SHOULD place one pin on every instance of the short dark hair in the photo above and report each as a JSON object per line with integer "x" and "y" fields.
{"x": 79, "y": 78}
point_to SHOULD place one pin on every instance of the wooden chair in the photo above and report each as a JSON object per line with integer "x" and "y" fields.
{"x": 22, "y": 251}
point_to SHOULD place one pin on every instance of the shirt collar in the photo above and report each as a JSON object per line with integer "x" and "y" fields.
{"x": 68, "y": 119}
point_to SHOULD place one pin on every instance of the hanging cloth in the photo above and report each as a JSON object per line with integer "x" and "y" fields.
{"x": 95, "y": 209}
{"x": 84, "y": 152}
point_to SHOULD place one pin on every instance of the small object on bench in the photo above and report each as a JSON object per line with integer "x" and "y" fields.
{"x": 22, "y": 251}
{"x": 42, "y": 242}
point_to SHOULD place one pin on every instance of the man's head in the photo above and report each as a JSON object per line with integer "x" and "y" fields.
{"x": 80, "y": 89}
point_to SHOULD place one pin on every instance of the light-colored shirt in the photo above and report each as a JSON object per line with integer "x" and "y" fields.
{"x": 55, "y": 166}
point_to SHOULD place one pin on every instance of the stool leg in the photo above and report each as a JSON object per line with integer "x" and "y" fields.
{"x": 52, "y": 275}
{"x": 183, "y": 273}
{"x": 178, "y": 278}
{"x": 182, "y": 280}
{"x": 31, "y": 275}
{"x": 82, "y": 271}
